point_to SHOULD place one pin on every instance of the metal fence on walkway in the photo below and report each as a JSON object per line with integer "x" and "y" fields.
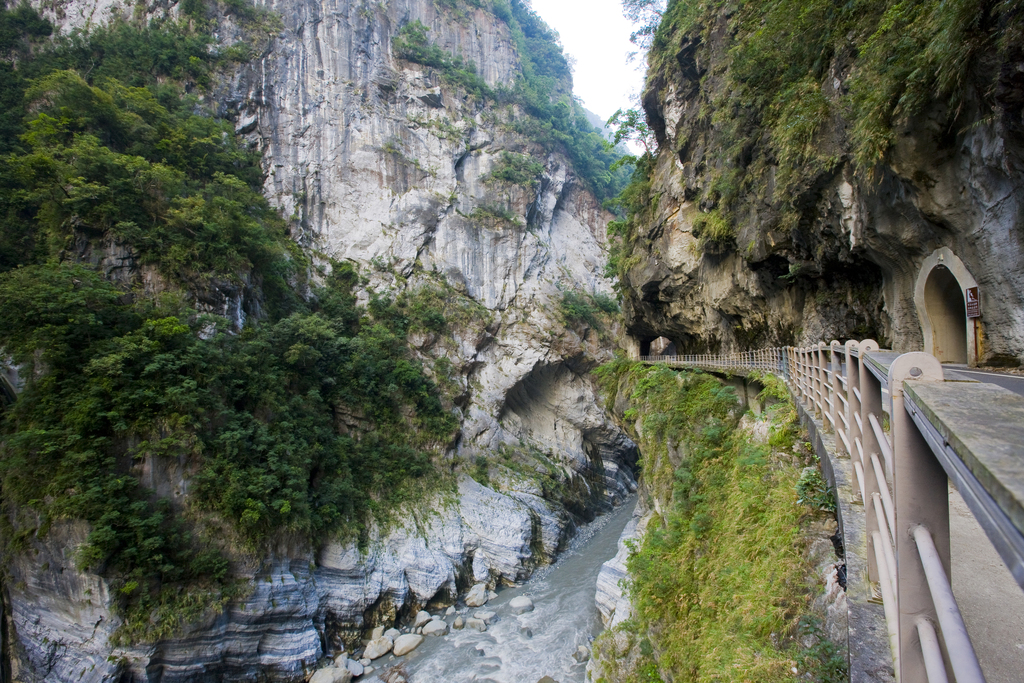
{"x": 906, "y": 430}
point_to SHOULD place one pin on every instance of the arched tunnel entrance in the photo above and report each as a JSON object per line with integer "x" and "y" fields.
{"x": 660, "y": 346}
{"x": 945, "y": 308}
{"x": 939, "y": 297}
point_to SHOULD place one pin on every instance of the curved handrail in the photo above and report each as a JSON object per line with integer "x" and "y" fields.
{"x": 876, "y": 403}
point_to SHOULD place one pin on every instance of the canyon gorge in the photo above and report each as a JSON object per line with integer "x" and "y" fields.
{"x": 347, "y": 331}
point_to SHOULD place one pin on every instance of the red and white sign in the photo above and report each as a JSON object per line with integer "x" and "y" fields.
{"x": 973, "y": 303}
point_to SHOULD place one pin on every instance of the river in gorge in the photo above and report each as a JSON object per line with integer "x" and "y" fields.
{"x": 564, "y": 617}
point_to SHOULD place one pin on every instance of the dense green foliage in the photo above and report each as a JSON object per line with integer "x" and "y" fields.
{"x": 515, "y": 169}
{"x": 581, "y": 308}
{"x": 775, "y": 104}
{"x": 311, "y": 420}
{"x": 547, "y": 113}
{"x": 637, "y": 206}
{"x": 719, "y": 584}
{"x": 412, "y": 43}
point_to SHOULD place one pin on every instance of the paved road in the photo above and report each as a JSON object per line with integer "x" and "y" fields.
{"x": 1014, "y": 383}
{"x": 991, "y": 602}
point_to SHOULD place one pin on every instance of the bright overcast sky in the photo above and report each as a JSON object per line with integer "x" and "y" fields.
{"x": 596, "y": 34}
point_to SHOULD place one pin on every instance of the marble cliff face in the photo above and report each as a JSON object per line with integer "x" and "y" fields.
{"x": 378, "y": 162}
{"x": 858, "y": 247}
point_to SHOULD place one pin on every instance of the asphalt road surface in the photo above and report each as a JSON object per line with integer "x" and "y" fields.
{"x": 1014, "y": 383}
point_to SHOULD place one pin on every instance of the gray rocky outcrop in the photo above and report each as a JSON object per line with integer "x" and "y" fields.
{"x": 612, "y": 603}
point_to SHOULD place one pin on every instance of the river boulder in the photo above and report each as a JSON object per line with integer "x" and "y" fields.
{"x": 332, "y": 674}
{"x": 478, "y": 624}
{"x": 407, "y": 643}
{"x": 486, "y": 616}
{"x": 435, "y": 627}
{"x": 378, "y": 648}
{"x": 477, "y": 596}
{"x": 521, "y": 605}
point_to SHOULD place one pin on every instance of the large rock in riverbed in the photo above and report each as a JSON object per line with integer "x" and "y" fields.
{"x": 407, "y": 643}
{"x": 486, "y": 616}
{"x": 477, "y": 596}
{"x": 378, "y": 648}
{"x": 435, "y": 627}
{"x": 332, "y": 674}
{"x": 521, "y": 605}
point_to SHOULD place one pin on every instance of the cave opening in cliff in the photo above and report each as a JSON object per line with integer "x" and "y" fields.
{"x": 945, "y": 307}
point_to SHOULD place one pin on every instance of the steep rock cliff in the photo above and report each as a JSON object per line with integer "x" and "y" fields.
{"x": 800, "y": 187}
{"x": 380, "y": 161}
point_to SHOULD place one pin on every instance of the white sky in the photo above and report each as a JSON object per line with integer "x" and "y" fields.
{"x": 596, "y": 34}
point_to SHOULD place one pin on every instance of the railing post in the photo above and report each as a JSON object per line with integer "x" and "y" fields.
{"x": 837, "y": 387}
{"x": 815, "y": 380}
{"x": 798, "y": 372}
{"x": 806, "y": 378}
{"x": 812, "y": 379}
{"x": 922, "y": 500}
{"x": 801, "y": 373}
{"x": 870, "y": 403}
{"x": 823, "y": 385}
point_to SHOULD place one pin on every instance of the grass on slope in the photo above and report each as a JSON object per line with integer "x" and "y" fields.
{"x": 719, "y": 583}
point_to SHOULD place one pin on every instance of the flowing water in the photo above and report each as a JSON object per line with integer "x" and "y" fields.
{"x": 564, "y": 617}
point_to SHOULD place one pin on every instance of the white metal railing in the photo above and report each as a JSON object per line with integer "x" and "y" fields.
{"x": 900, "y": 462}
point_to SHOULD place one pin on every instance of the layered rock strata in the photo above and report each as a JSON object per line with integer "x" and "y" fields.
{"x": 380, "y": 162}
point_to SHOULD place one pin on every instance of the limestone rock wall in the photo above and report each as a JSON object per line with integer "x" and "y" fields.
{"x": 378, "y": 161}
{"x": 847, "y": 263}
